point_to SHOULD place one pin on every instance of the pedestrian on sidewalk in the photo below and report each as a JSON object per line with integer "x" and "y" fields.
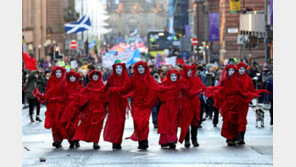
{"x": 191, "y": 87}
{"x": 168, "y": 116}
{"x": 269, "y": 97}
{"x": 117, "y": 85}
{"x": 31, "y": 85}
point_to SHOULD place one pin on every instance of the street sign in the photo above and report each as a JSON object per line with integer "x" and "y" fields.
{"x": 234, "y": 5}
{"x": 73, "y": 44}
{"x": 194, "y": 41}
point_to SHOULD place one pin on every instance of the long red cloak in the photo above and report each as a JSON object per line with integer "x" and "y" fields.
{"x": 190, "y": 104}
{"x": 54, "y": 104}
{"x": 169, "y": 110}
{"x": 92, "y": 102}
{"x": 70, "y": 91}
{"x": 228, "y": 97}
{"x": 143, "y": 89}
{"x": 247, "y": 85}
{"x": 118, "y": 85}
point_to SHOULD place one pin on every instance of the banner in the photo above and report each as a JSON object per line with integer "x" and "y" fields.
{"x": 187, "y": 31}
{"x": 234, "y": 6}
{"x": 126, "y": 56}
{"x": 171, "y": 61}
{"x": 213, "y": 26}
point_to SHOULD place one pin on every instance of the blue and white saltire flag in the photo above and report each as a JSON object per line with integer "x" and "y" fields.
{"x": 79, "y": 26}
{"x": 135, "y": 32}
{"x": 92, "y": 44}
{"x": 135, "y": 58}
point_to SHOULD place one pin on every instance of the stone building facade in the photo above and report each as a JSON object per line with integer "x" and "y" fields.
{"x": 227, "y": 46}
{"x": 43, "y": 25}
{"x": 128, "y": 15}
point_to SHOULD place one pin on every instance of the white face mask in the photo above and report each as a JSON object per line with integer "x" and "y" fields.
{"x": 95, "y": 77}
{"x": 58, "y": 73}
{"x": 118, "y": 69}
{"x": 189, "y": 73}
{"x": 72, "y": 78}
{"x": 230, "y": 71}
{"x": 241, "y": 70}
{"x": 173, "y": 77}
{"x": 141, "y": 69}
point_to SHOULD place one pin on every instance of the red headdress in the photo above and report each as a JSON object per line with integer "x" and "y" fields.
{"x": 168, "y": 76}
{"x": 186, "y": 68}
{"x": 72, "y": 73}
{"x": 124, "y": 70}
{"x": 146, "y": 73}
{"x": 53, "y": 77}
{"x": 93, "y": 83}
{"x": 242, "y": 64}
{"x": 225, "y": 75}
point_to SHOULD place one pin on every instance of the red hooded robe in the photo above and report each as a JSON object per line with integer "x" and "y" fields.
{"x": 228, "y": 97}
{"x": 92, "y": 102}
{"x": 54, "y": 104}
{"x": 247, "y": 85}
{"x": 118, "y": 85}
{"x": 143, "y": 89}
{"x": 190, "y": 104}
{"x": 169, "y": 109}
{"x": 70, "y": 91}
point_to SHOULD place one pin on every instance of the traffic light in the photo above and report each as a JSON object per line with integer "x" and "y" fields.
{"x": 56, "y": 53}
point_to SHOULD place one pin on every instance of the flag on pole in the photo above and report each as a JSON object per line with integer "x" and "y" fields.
{"x": 135, "y": 32}
{"x": 30, "y": 62}
{"x": 134, "y": 59}
{"x": 92, "y": 44}
{"x": 79, "y": 26}
{"x": 171, "y": 29}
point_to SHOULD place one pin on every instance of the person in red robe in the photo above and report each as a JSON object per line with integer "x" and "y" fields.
{"x": 70, "y": 89}
{"x": 142, "y": 89}
{"x": 169, "y": 110}
{"x": 92, "y": 102}
{"x": 53, "y": 98}
{"x": 228, "y": 97}
{"x": 247, "y": 85}
{"x": 191, "y": 87}
{"x": 117, "y": 83}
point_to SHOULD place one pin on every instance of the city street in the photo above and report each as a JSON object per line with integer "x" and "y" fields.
{"x": 258, "y": 151}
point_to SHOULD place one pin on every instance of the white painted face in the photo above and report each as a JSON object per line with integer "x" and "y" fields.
{"x": 95, "y": 77}
{"x": 72, "y": 78}
{"x": 58, "y": 73}
{"x": 230, "y": 71}
{"x": 141, "y": 69}
{"x": 189, "y": 73}
{"x": 174, "y": 77}
{"x": 118, "y": 69}
{"x": 241, "y": 70}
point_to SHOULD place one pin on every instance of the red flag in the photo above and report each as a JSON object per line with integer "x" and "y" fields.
{"x": 180, "y": 61}
{"x": 30, "y": 63}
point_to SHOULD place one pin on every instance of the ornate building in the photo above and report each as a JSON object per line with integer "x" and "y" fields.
{"x": 128, "y": 15}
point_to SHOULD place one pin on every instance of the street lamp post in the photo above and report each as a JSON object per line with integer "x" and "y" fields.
{"x": 266, "y": 33}
{"x": 39, "y": 48}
